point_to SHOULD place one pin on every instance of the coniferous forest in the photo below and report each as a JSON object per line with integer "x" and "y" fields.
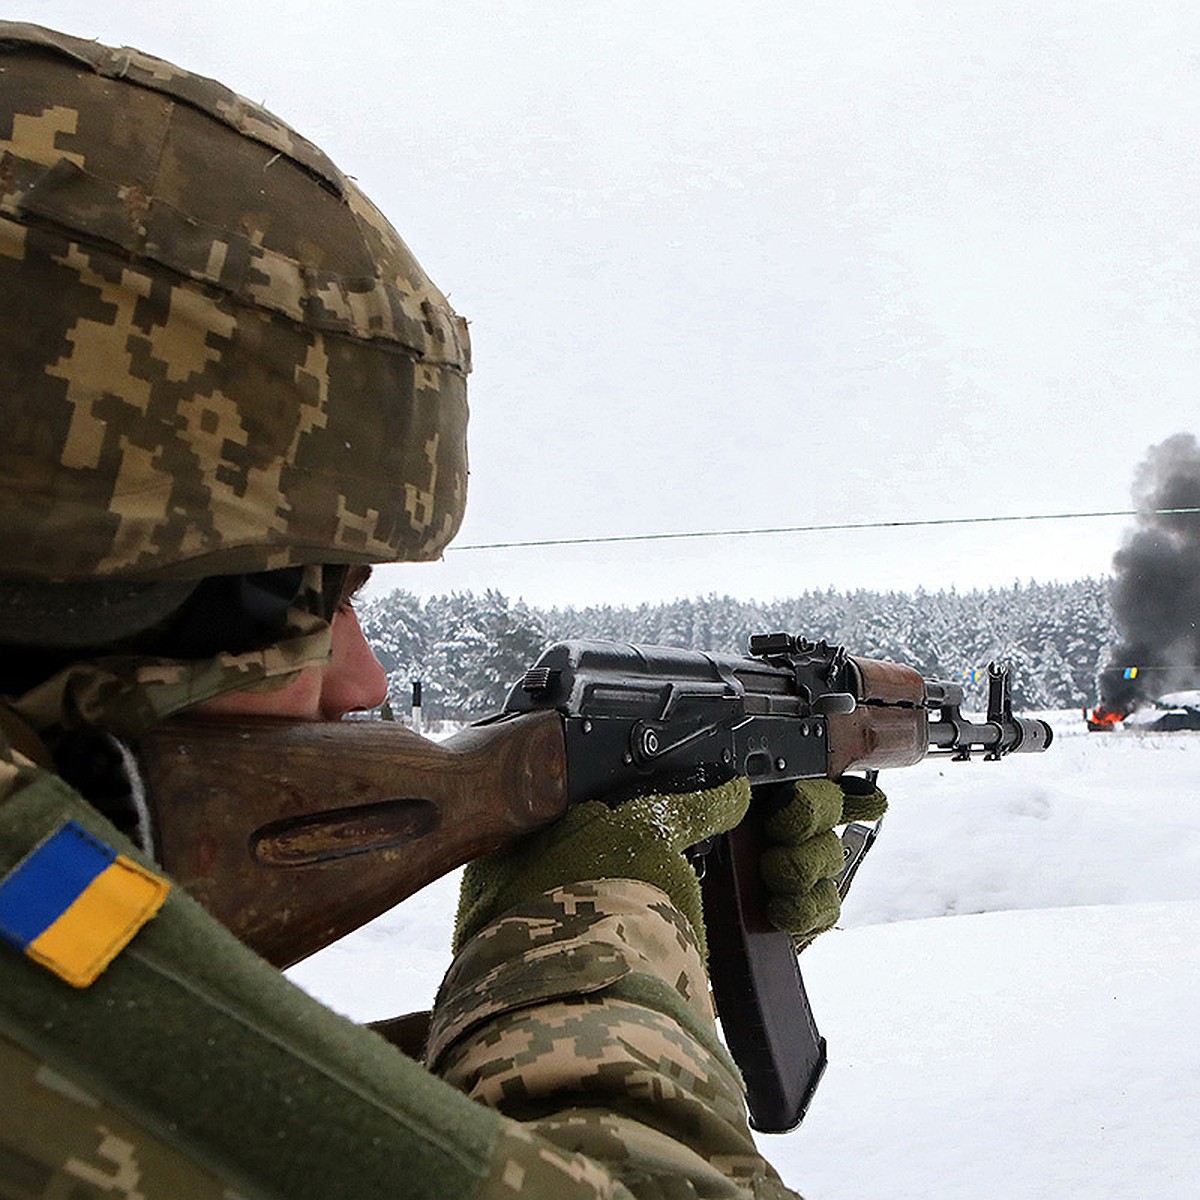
{"x": 468, "y": 649}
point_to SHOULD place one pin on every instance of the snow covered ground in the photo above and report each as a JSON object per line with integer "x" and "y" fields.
{"x": 1009, "y": 1002}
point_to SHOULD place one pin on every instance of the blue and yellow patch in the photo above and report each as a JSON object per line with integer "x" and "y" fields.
{"x": 73, "y": 903}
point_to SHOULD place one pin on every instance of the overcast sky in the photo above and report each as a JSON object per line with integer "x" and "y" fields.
{"x": 765, "y": 265}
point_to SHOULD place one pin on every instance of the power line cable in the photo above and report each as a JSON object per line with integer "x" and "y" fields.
{"x": 823, "y": 528}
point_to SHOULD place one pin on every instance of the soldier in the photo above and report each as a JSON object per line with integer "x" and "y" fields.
{"x": 227, "y": 388}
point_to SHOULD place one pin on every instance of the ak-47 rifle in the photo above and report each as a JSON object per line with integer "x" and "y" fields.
{"x": 295, "y": 834}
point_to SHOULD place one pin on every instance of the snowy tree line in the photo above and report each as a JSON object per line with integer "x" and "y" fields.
{"x": 468, "y": 649}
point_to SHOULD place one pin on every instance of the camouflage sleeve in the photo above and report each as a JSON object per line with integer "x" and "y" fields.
{"x": 586, "y": 1016}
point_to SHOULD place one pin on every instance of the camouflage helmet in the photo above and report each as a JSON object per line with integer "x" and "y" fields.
{"x": 216, "y": 355}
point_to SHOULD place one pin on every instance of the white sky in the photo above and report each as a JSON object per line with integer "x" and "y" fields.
{"x": 765, "y": 265}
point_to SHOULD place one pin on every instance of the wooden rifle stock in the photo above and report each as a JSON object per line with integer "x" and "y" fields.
{"x": 294, "y": 834}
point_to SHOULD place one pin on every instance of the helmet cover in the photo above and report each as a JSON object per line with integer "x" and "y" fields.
{"x": 217, "y": 355}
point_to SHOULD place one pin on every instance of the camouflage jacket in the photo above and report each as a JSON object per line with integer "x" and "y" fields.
{"x": 573, "y": 1038}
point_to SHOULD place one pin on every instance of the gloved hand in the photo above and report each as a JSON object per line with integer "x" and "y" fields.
{"x": 804, "y": 855}
{"x": 643, "y": 838}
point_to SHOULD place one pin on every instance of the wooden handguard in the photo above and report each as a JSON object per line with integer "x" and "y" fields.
{"x": 890, "y": 726}
{"x": 292, "y": 835}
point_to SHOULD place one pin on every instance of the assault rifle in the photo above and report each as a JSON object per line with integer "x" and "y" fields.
{"x": 295, "y": 834}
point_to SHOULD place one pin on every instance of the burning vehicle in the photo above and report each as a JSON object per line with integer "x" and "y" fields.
{"x": 1164, "y": 714}
{"x": 1156, "y": 600}
{"x": 1104, "y": 720}
{"x": 1174, "y": 711}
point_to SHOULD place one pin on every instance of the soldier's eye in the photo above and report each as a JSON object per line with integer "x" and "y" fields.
{"x": 356, "y": 580}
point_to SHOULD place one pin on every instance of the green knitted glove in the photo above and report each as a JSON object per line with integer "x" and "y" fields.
{"x": 643, "y": 838}
{"x": 804, "y": 855}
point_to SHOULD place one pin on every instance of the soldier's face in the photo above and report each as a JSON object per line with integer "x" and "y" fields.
{"x": 351, "y": 681}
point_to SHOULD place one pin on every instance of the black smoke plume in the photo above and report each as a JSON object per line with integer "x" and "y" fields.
{"x": 1156, "y": 590}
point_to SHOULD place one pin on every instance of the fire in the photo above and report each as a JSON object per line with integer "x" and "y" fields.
{"x": 1102, "y": 719}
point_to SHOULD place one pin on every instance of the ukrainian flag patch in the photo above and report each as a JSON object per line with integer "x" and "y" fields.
{"x": 73, "y": 903}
